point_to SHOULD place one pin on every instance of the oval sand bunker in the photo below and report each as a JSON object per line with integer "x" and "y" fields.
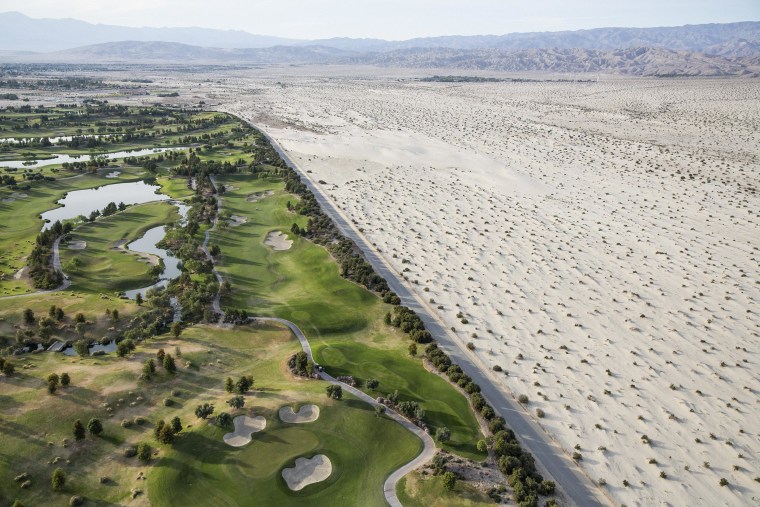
{"x": 307, "y": 471}
{"x": 278, "y": 241}
{"x": 244, "y": 427}
{"x": 306, "y": 414}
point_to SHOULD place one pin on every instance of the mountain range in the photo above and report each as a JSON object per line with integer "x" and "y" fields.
{"x": 706, "y": 50}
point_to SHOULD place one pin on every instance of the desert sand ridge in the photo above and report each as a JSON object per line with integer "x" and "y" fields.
{"x": 598, "y": 241}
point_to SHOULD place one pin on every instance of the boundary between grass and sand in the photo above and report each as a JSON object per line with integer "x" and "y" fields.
{"x": 553, "y": 461}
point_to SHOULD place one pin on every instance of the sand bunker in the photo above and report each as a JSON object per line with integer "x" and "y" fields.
{"x": 77, "y": 245}
{"x": 236, "y": 220}
{"x": 258, "y": 196}
{"x": 306, "y": 414}
{"x": 307, "y": 471}
{"x": 113, "y": 174}
{"x": 14, "y": 196}
{"x": 244, "y": 427}
{"x": 278, "y": 241}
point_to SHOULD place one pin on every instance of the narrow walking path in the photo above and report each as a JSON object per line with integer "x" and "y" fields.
{"x": 216, "y": 304}
{"x": 428, "y": 450}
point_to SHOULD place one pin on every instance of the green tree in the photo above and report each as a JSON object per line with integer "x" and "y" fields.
{"x": 482, "y": 446}
{"x": 159, "y": 426}
{"x": 149, "y": 368}
{"x": 115, "y": 315}
{"x": 449, "y": 481}
{"x": 58, "y": 479}
{"x": 205, "y": 410}
{"x": 139, "y": 299}
{"x": 229, "y": 385}
{"x": 144, "y": 451}
{"x": 244, "y": 384}
{"x": 176, "y": 425}
{"x": 81, "y": 347}
{"x": 224, "y": 420}
{"x": 8, "y": 368}
{"x": 169, "y": 364}
{"x": 236, "y": 402}
{"x": 94, "y": 426}
{"x": 166, "y": 435}
{"x": 443, "y": 434}
{"x": 160, "y": 356}
{"x": 65, "y": 379}
{"x": 412, "y": 349}
{"x": 379, "y": 410}
{"x": 29, "y": 317}
{"x": 176, "y": 329}
{"x": 52, "y": 383}
{"x": 372, "y": 383}
{"x": 334, "y": 391}
{"x": 79, "y": 432}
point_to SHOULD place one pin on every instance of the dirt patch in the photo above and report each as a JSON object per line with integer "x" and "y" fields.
{"x": 278, "y": 241}
{"x": 306, "y": 414}
{"x": 307, "y": 471}
{"x": 244, "y": 427}
{"x": 77, "y": 245}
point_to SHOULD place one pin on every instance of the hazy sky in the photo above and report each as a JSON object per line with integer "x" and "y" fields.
{"x": 392, "y": 19}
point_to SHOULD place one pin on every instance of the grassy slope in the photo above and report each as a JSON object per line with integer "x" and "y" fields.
{"x": 342, "y": 320}
{"x": 103, "y": 268}
{"x": 416, "y": 490}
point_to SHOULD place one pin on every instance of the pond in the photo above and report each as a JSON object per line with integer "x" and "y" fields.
{"x": 84, "y": 202}
{"x": 147, "y": 245}
{"x": 95, "y": 349}
{"x": 60, "y": 159}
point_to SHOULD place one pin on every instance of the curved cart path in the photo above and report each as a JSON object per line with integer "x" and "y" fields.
{"x": 428, "y": 450}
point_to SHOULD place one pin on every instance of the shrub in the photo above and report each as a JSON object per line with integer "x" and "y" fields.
{"x": 95, "y": 426}
{"x": 130, "y": 452}
{"x": 523, "y": 399}
{"x": 144, "y": 451}
{"x": 540, "y": 413}
{"x": 224, "y": 420}
{"x": 203, "y": 411}
{"x": 168, "y": 402}
{"x": 449, "y": 481}
{"x": 334, "y": 391}
{"x": 76, "y": 500}
{"x": 723, "y": 481}
{"x": 58, "y": 479}
{"x": 443, "y": 434}
{"x": 236, "y": 402}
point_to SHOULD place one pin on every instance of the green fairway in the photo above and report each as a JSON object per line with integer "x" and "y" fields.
{"x": 344, "y": 322}
{"x": 105, "y": 265}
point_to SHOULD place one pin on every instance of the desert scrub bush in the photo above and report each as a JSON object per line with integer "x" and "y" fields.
{"x": 523, "y": 399}
{"x": 168, "y": 402}
{"x": 126, "y": 423}
{"x": 540, "y": 413}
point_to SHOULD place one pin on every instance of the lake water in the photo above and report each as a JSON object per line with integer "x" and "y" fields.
{"x": 147, "y": 245}
{"x": 60, "y": 159}
{"x": 84, "y": 202}
{"x": 94, "y": 348}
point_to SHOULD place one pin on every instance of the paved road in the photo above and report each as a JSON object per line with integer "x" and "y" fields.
{"x": 428, "y": 449}
{"x": 552, "y": 461}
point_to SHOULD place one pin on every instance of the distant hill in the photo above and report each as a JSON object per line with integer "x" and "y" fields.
{"x": 22, "y": 33}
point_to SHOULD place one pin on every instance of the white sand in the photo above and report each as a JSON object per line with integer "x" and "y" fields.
{"x": 77, "y": 245}
{"x": 257, "y": 196}
{"x": 307, "y": 471}
{"x": 278, "y": 241}
{"x": 113, "y": 174}
{"x": 236, "y": 220}
{"x": 613, "y": 219}
{"x": 305, "y": 414}
{"x": 244, "y": 427}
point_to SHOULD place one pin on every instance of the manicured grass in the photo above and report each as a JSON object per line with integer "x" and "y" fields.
{"x": 200, "y": 468}
{"x": 20, "y": 221}
{"x": 416, "y": 490}
{"x": 344, "y": 322}
{"x": 104, "y": 267}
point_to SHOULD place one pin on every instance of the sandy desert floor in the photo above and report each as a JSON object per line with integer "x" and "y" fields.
{"x": 600, "y": 242}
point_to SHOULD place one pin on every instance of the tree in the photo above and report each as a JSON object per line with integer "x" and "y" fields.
{"x": 449, "y": 481}
{"x": 159, "y": 426}
{"x": 58, "y": 479}
{"x": 115, "y": 315}
{"x": 372, "y": 383}
{"x": 301, "y": 361}
{"x": 8, "y": 368}
{"x": 52, "y": 383}
{"x": 139, "y": 299}
{"x": 166, "y": 435}
{"x": 176, "y": 425}
{"x": 176, "y": 329}
{"x": 144, "y": 451}
{"x": 482, "y": 446}
{"x": 29, "y": 317}
{"x": 205, "y": 410}
{"x": 229, "y": 385}
{"x": 149, "y": 368}
{"x": 236, "y": 402}
{"x": 160, "y": 356}
{"x": 412, "y": 349}
{"x": 169, "y": 364}
{"x": 94, "y": 426}
{"x": 65, "y": 379}
{"x": 79, "y": 432}
{"x": 379, "y": 410}
{"x": 122, "y": 349}
{"x": 244, "y": 384}
{"x": 443, "y": 434}
{"x": 334, "y": 391}
{"x": 224, "y": 420}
